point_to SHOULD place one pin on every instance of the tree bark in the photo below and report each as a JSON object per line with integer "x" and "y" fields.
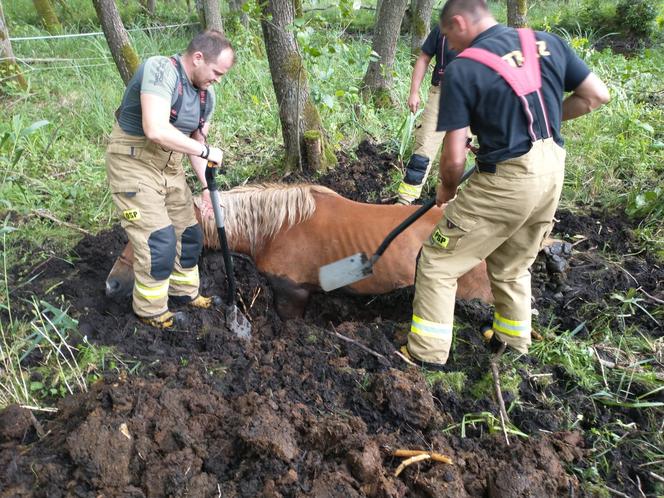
{"x": 209, "y": 13}
{"x": 236, "y": 10}
{"x": 297, "y": 113}
{"x": 517, "y": 12}
{"x": 377, "y": 81}
{"x": 48, "y": 16}
{"x": 420, "y": 22}
{"x": 9, "y": 70}
{"x": 124, "y": 55}
{"x": 150, "y": 6}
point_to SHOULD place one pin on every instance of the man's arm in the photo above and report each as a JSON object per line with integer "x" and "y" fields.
{"x": 157, "y": 127}
{"x": 452, "y": 164}
{"x": 589, "y": 95}
{"x": 419, "y": 71}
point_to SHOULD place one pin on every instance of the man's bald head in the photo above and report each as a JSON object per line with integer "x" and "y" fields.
{"x": 472, "y": 9}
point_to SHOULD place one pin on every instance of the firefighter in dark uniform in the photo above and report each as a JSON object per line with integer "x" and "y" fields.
{"x": 509, "y": 86}
{"x": 427, "y": 139}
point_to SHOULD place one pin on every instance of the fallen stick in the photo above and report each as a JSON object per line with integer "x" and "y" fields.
{"x": 401, "y": 355}
{"x": 410, "y": 461}
{"x": 656, "y": 476}
{"x": 649, "y": 296}
{"x": 436, "y": 457}
{"x": 43, "y": 213}
{"x": 499, "y": 393}
{"x": 359, "y": 345}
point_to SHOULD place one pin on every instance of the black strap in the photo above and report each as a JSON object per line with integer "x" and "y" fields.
{"x": 202, "y": 97}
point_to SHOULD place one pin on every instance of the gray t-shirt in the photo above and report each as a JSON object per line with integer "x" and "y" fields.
{"x": 159, "y": 76}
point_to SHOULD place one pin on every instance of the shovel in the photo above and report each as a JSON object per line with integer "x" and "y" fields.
{"x": 235, "y": 321}
{"x": 358, "y": 266}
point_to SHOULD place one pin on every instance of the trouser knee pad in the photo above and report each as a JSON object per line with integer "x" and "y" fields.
{"x": 162, "y": 252}
{"x": 416, "y": 170}
{"x": 192, "y": 245}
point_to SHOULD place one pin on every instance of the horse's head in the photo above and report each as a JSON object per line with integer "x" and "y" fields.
{"x": 120, "y": 280}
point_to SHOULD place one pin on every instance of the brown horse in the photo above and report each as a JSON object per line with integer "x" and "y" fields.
{"x": 290, "y": 231}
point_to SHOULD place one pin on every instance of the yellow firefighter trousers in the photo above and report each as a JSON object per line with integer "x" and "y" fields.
{"x": 502, "y": 218}
{"x": 425, "y": 149}
{"x": 156, "y": 210}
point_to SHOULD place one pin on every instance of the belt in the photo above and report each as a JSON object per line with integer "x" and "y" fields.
{"x": 486, "y": 168}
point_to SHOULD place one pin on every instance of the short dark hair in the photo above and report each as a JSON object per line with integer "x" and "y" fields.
{"x": 210, "y": 43}
{"x": 476, "y": 8}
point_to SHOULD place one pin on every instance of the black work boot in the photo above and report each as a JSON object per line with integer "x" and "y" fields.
{"x": 166, "y": 321}
{"x": 197, "y": 302}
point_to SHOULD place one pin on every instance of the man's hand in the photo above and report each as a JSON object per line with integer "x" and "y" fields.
{"x": 414, "y": 102}
{"x": 444, "y": 194}
{"x": 216, "y": 156}
{"x": 206, "y": 207}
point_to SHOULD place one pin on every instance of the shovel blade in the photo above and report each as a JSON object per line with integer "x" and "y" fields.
{"x": 238, "y": 323}
{"x": 345, "y": 272}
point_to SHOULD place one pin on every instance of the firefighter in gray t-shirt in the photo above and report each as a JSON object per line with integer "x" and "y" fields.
{"x": 164, "y": 116}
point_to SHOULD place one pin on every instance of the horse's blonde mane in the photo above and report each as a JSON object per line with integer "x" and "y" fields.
{"x": 256, "y": 213}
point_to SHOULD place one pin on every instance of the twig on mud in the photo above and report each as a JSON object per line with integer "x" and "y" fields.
{"x": 649, "y": 296}
{"x": 436, "y": 457}
{"x": 499, "y": 394}
{"x": 410, "y": 461}
{"x": 39, "y": 409}
{"x": 656, "y": 476}
{"x": 253, "y": 299}
{"x": 617, "y": 493}
{"x": 400, "y": 355}
{"x": 43, "y": 213}
{"x": 359, "y": 345}
{"x": 601, "y": 367}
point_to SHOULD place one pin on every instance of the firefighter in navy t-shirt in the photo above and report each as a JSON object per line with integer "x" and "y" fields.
{"x": 508, "y": 85}
{"x": 427, "y": 139}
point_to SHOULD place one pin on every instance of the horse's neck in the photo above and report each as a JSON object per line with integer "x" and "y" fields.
{"x": 211, "y": 235}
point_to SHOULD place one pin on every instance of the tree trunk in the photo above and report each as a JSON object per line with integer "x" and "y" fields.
{"x": 297, "y": 113}
{"x": 117, "y": 38}
{"x": 48, "y": 16}
{"x": 420, "y": 22}
{"x": 378, "y": 79}
{"x": 9, "y": 70}
{"x": 209, "y": 12}
{"x": 150, "y": 6}
{"x": 238, "y": 13}
{"x": 517, "y": 11}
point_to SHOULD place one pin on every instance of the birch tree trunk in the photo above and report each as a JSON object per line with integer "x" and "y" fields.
{"x": 420, "y": 22}
{"x": 9, "y": 70}
{"x": 123, "y": 52}
{"x": 297, "y": 113}
{"x": 48, "y": 16}
{"x": 517, "y": 12}
{"x": 377, "y": 81}
{"x": 209, "y": 13}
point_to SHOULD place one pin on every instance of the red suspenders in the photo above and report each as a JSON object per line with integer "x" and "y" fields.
{"x": 523, "y": 80}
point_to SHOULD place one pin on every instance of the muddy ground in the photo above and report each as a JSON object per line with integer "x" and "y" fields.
{"x": 296, "y": 411}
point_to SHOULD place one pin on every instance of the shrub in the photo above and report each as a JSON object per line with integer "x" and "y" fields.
{"x": 636, "y": 17}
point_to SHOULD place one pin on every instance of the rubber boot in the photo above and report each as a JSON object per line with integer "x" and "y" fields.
{"x": 199, "y": 301}
{"x": 436, "y": 367}
{"x": 166, "y": 321}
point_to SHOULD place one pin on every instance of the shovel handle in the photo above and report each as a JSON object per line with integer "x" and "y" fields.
{"x": 210, "y": 174}
{"x": 412, "y": 219}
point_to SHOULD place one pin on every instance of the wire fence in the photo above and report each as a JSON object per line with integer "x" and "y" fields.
{"x": 97, "y": 33}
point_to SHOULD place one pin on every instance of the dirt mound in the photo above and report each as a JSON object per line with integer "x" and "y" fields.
{"x": 362, "y": 176}
{"x": 190, "y": 431}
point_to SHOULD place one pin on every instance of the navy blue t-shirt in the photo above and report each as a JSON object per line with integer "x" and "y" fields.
{"x": 436, "y": 46}
{"x": 475, "y": 95}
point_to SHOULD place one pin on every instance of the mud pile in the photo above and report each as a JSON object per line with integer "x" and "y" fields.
{"x": 297, "y": 410}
